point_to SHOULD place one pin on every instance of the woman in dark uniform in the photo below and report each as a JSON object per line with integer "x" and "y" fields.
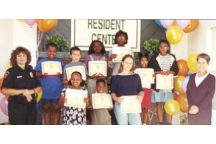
{"x": 20, "y": 85}
{"x": 200, "y": 92}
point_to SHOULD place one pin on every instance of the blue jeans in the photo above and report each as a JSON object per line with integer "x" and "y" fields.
{"x": 126, "y": 118}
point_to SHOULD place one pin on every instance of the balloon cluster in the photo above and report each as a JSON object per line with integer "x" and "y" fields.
{"x": 175, "y": 29}
{"x": 186, "y": 68}
{"x": 44, "y": 25}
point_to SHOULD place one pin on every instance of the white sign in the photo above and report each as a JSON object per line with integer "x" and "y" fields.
{"x": 84, "y": 31}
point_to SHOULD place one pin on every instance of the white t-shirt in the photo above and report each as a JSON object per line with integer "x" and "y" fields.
{"x": 165, "y": 62}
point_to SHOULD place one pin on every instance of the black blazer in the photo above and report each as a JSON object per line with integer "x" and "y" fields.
{"x": 153, "y": 63}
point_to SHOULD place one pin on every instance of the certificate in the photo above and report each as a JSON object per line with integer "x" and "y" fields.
{"x": 72, "y": 69}
{"x": 51, "y": 67}
{"x": 146, "y": 75}
{"x": 120, "y": 52}
{"x": 130, "y": 104}
{"x": 164, "y": 82}
{"x": 97, "y": 67}
{"x": 75, "y": 98}
{"x": 101, "y": 100}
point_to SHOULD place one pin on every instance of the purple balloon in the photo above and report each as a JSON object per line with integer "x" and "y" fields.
{"x": 166, "y": 23}
{"x": 183, "y": 23}
{"x": 185, "y": 82}
{"x": 4, "y": 105}
{"x": 30, "y": 22}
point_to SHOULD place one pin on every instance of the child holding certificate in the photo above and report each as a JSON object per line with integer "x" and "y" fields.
{"x": 146, "y": 102}
{"x": 101, "y": 116}
{"x": 121, "y": 39}
{"x": 52, "y": 84}
{"x": 164, "y": 63}
{"x": 74, "y": 65}
{"x": 96, "y": 53}
{"x": 127, "y": 84}
{"x": 74, "y": 115}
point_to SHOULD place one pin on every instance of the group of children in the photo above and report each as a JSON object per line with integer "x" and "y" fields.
{"x": 22, "y": 82}
{"x": 124, "y": 83}
{"x": 54, "y": 86}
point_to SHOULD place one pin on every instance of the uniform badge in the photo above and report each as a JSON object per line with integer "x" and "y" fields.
{"x": 19, "y": 76}
{"x": 31, "y": 74}
{"x": 6, "y": 74}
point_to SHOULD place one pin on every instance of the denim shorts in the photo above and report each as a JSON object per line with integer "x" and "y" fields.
{"x": 161, "y": 96}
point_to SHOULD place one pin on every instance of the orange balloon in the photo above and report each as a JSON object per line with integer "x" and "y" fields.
{"x": 183, "y": 102}
{"x": 192, "y": 26}
{"x": 183, "y": 68}
{"x": 46, "y": 25}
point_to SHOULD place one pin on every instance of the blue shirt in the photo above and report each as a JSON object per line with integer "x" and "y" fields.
{"x": 123, "y": 85}
{"x": 51, "y": 85}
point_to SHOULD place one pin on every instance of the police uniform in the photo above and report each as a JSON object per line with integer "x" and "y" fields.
{"x": 21, "y": 111}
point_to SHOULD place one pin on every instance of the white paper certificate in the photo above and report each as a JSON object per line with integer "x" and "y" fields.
{"x": 51, "y": 67}
{"x": 75, "y": 98}
{"x": 97, "y": 67}
{"x": 72, "y": 69}
{"x": 146, "y": 75}
{"x": 130, "y": 104}
{"x": 120, "y": 52}
{"x": 101, "y": 100}
{"x": 164, "y": 82}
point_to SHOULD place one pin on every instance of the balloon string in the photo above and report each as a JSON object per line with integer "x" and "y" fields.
{"x": 40, "y": 37}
